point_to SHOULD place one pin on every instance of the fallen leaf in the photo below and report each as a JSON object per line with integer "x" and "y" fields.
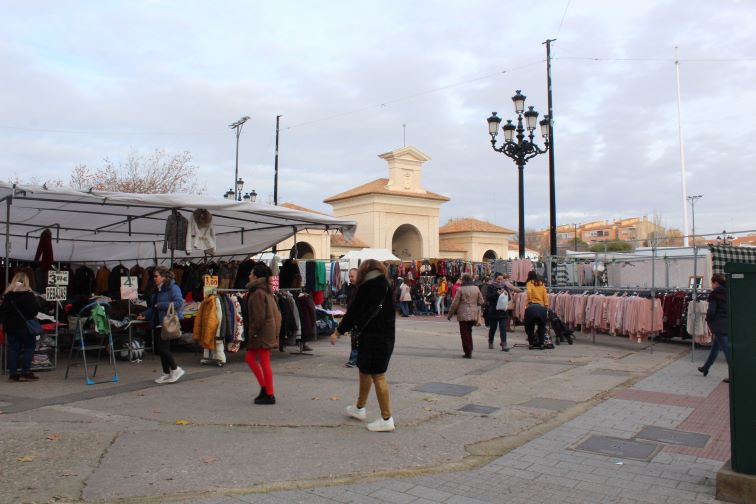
{"x": 335, "y": 398}
{"x": 428, "y": 408}
{"x": 25, "y": 458}
{"x": 316, "y": 398}
{"x": 53, "y": 437}
{"x": 431, "y": 399}
{"x": 209, "y": 460}
{"x": 182, "y": 422}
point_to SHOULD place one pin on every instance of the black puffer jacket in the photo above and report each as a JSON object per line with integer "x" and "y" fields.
{"x": 716, "y": 315}
{"x": 492, "y": 297}
{"x": 376, "y": 340}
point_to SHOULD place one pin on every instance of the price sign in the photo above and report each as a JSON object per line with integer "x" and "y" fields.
{"x": 129, "y": 286}
{"x": 275, "y": 283}
{"x": 55, "y": 293}
{"x": 210, "y": 284}
{"x": 57, "y": 277}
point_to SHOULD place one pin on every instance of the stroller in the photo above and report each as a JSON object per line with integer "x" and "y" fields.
{"x": 561, "y": 331}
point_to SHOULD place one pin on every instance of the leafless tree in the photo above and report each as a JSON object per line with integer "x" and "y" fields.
{"x": 154, "y": 173}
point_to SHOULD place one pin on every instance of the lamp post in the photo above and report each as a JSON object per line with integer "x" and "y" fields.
{"x": 237, "y": 181}
{"x": 693, "y": 200}
{"x": 236, "y": 193}
{"x": 520, "y": 150}
{"x": 725, "y": 239}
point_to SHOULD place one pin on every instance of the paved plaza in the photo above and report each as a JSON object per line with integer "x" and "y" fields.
{"x": 610, "y": 422}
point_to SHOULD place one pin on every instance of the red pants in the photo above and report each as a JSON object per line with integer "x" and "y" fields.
{"x": 465, "y": 331}
{"x": 258, "y": 360}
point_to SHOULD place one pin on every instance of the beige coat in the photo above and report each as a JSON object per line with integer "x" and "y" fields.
{"x": 264, "y": 316}
{"x": 465, "y": 303}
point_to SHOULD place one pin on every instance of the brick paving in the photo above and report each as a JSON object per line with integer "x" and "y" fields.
{"x": 548, "y": 469}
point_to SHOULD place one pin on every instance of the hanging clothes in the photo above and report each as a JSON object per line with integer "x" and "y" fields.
{"x": 201, "y": 233}
{"x": 176, "y": 227}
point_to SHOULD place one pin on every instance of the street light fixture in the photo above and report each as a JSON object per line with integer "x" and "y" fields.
{"x": 520, "y": 150}
{"x": 238, "y": 127}
{"x": 725, "y": 239}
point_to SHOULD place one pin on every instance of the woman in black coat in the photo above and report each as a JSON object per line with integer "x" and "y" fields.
{"x": 372, "y": 314}
{"x": 19, "y": 305}
{"x": 716, "y": 317}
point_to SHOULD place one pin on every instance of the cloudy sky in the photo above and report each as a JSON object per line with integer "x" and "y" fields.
{"x": 86, "y": 80}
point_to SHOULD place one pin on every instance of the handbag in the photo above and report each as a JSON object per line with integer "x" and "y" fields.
{"x": 33, "y": 327}
{"x": 479, "y": 320}
{"x": 171, "y": 325}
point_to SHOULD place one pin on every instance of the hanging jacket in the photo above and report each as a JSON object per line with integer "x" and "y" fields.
{"x": 201, "y": 232}
{"x": 176, "y": 227}
{"x": 206, "y": 323}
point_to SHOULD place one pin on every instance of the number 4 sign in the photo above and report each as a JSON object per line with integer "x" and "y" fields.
{"x": 129, "y": 287}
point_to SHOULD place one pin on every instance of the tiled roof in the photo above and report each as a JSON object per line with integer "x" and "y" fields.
{"x": 338, "y": 240}
{"x": 294, "y": 206}
{"x": 470, "y": 224}
{"x": 450, "y": 246}
{"x": 378, "y": 186}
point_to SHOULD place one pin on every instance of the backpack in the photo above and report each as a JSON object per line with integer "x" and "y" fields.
{"x": 503, "y": 301}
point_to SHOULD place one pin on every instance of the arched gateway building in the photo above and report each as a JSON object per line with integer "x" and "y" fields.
{"x": 398, "y": 214}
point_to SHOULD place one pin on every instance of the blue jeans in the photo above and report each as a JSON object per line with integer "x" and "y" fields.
{"x": 502, "y": 325}
{"x": 353, "y": 356}
{"x": 404, "y": 307}
{"x": 719, "y": 341}
{"x": 16, "y": 344}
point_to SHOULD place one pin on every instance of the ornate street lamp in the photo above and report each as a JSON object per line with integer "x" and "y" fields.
{"x": 250, "y": 197}
{"x": 238, "y": 127}
{"x": 520, "y": 148}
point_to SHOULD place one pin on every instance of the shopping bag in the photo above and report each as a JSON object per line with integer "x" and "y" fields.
{"x": 503, "y": 302}
{"x": 171, "y": 325}
{"x": 479, "y": 320}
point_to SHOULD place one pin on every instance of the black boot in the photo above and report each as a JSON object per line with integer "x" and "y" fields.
{"x": 266, "y": 399}
{"x": 703, "y": 370}
{"x": 261, "y": 394}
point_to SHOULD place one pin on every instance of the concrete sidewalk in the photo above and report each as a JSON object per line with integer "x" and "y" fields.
{"x": 552, "y": 468}
{"x": 466, "y": 429}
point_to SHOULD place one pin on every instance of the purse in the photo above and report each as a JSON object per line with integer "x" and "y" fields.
{"x": 479, "y": 320}
{"x": 171, "y": 328}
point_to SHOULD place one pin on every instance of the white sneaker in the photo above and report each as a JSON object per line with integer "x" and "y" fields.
{"x": 358, "y": 413}
{"x": 382, "y": 425}
{"x": 175, "y": 375}
{"x": 163, "y": 378}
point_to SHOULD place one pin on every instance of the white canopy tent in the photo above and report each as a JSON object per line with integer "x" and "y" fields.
{"x": 378, "y": 254}
{"x": 112, "y": 227}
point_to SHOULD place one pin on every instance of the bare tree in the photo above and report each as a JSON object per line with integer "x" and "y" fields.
{"x": 155, "y": 173}
{"x": 658, "y": 234}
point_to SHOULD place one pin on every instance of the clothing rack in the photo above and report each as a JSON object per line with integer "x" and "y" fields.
{"x": 300, "y": 341}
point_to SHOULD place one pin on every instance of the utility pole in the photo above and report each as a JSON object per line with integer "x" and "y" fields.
{"x": 275, "y": 173}
{"x": 682, "y": 151}
{"x": 552, "y": 182}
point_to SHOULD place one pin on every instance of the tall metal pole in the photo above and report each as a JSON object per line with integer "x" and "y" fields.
{"x": 7, "y": 236}
{"x": 275, "y": 176}
{"x": 521, "y": 192}
{"x": 552, "y": 182}
{"x": 237, "y": 193}
{"x": 692, "y": 200}
{"x": 682, "y": 152}
{"x": 275, "y": 173}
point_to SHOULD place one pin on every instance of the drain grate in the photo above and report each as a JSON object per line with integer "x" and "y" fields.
{"x": 549, "y": 404}
{"x": 478, "y": 408}
{"x": 618, "y": 447}
{"x": 450, "y": 389}
{"x": 672, "y": 436}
